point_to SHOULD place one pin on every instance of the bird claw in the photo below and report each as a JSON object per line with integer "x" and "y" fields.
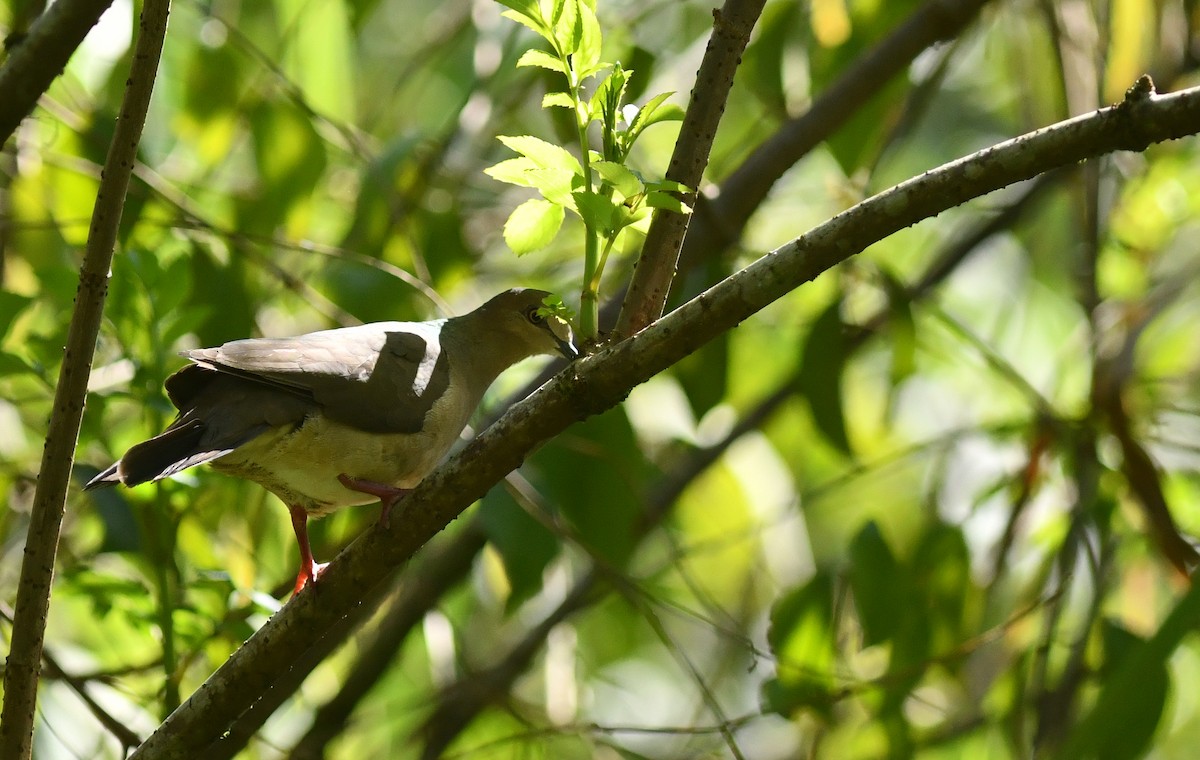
{"x": 308, "y": 575}
{"x": 387, "y": 495}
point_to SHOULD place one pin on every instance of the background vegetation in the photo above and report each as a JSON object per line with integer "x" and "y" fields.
{"x": 934, "y": 503}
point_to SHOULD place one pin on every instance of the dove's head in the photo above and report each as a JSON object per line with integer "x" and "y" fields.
{"x": 524, "y": 324}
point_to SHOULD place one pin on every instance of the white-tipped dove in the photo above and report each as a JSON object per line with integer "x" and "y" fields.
{"x": 340, "y": 417}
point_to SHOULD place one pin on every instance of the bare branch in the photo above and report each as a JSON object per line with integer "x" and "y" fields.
{"x": 37, "y": 568}
{"x": 41, "y": 56}
{"x": 655, "y": 269}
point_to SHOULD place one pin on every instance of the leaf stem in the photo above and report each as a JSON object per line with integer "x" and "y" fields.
{"x": 589, "y": 297}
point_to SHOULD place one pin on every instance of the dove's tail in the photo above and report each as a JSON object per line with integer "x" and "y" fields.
{"x": 175, "y": 449}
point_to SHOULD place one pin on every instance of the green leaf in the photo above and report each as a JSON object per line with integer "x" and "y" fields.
{"x": 587, "y": 55}
{"x": 320, "y": 54}
{"x": 553, "y": 306}
{"x": 765, "y": 61}
{"x": 530, "y": 9}
{"x": 291, "y": 160}
{"x": 801, "y": 637}
{"x": 902, "y": 327}
{"x": 942, "y": 581}
{"x": 524, "y": 545}
{"x": 620, "y": 177}
{"x": 653, "y": 112}
{"x": 596, "y": 210}
{"x": 557, "y": 100}
{"x": 667, "y": 202}
{"x": 11, "y": 304}
{"x": 514, "y": 171}
{"x": 11, "y": 364}
{"x": 535, "y": 24}
{"x": 822, "y": 364}
{"x": 532, "y": 225}
{"x": 594, "y": 475}
{"x": 704, "y": 375}
{"x": 627, "y": 215}
{"x": 1129, "y": 699}
{"x": 555, "y": 185}
{"x": 556, "y": 11}
{"x": 568, "y": 28}
{"x": 545, "y": 155}
{"x": 542, "y": 59}
{"x": 1135, "y": 713}
{"x": 605, "y": 103}
{"x": 374, "y": 205}
{"x": 877, "y": 580}
{"x": 121, "y": 532}
{"x": 182, "y": 321}
{"x": 668, "y": 185}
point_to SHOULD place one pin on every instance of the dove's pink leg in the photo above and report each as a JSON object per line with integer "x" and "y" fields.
{"x": 387, "y": 495}
{"x": 309, "y": 570}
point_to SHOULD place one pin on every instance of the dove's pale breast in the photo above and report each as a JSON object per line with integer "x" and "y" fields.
{"x": 301, "y": 464}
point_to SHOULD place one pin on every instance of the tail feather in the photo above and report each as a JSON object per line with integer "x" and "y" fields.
{"x": 175, "y": 449}
{"x": 106, "y": 479}
{"x": 218, "y": 413}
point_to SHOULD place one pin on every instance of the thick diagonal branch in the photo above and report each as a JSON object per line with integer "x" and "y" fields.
{"x": 601, "y": 381}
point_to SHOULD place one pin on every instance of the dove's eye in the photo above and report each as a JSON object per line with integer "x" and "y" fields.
{"x": 535, "y": 317}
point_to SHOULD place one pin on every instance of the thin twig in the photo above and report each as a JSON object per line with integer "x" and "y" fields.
{"x": 647, "y": 294}
{"x": 37, "y": 568}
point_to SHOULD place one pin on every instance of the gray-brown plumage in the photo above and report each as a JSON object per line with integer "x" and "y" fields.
{"x": 340, "y": 417}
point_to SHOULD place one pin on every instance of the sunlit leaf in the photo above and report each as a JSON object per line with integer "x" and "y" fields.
{"x": 801, "y": 636}
{"x": 320, "y": 55}
{"x": 668, "y": 185}
{"x": 534, "y": 57}
{"x": 620, "y": 177}
{"x": 530, "y": 9}
{"x": 555, "y": 185}
{"x": 655, "y": 110}
{"x": 557, "y": 100}
{"x": 514, "y": 171}
{"x": 531, "y": 22}
{"x": 596, "y": 210}
{"x": 546, "y": 155}
{"x": 532, "y": 225}
{"x": 587, "y": 55}
{"x": 667, "y": 202}
{"x": 568, "y": 27}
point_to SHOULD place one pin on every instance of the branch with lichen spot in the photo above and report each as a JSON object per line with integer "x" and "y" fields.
{"x": 600, "y": 381}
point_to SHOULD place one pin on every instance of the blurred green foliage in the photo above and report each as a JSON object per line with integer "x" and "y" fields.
{"x": 928, "y": 546}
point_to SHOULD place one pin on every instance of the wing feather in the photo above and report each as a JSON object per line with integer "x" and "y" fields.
{"x": 382, "y": 377}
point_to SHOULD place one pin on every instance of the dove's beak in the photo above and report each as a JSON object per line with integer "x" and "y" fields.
{"x": 563, "y": 337}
